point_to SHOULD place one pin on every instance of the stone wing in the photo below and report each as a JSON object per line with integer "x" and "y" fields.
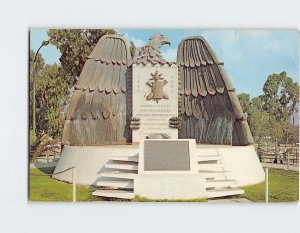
{"x": 97, "y": 111}
{"x": 208, "y": 104}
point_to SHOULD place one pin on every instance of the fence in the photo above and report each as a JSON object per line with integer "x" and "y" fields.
{"x": 282, "y": 154}
{"x": 73, "y": 179}
{"x": 50, "y": 153}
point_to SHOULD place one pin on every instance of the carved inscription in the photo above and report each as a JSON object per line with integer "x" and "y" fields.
{"x": 154, "y": 108}
{"x": 156, "y": 83}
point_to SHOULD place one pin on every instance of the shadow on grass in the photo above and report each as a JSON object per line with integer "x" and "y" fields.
{"x": 47, "y": 170}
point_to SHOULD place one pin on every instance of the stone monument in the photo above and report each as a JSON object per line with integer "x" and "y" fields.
{"x": 168, "y": 170}
{"x": 155, "y": 93}
{"x": 143, "y": 120}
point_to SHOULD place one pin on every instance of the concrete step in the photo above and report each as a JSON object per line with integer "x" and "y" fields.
{"x": 216, "y": 175}
{"x": 223, "y": 192}
{"x": 217, "y": 184}
{"x": 202, "y": 171}
{"x": 120, "y": 175}
{"x": 206, "y": 158}
{"x": 122, "y": 166}
{"x": 114, "y": 194}
{"x": 116, "y": 184}
{"x": 126, "y": 158}
{"x": 211, "y": 167}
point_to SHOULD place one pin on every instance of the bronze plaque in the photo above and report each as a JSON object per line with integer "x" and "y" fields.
{"x": 166, "y": 156}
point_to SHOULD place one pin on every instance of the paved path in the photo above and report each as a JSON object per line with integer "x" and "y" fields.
{"x": 43, "y": 165}
{"x": 281, "y": 166}
{"x": 230, "y": 201}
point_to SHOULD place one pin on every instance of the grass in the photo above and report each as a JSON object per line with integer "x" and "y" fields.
{"x": 283, "y": 187}
{"x": 144, "y": 199}
{"x": 43, "y": 188}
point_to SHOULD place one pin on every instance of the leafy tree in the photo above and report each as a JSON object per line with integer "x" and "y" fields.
{"x": 281, "y": 96}
{"x": 268, "y": 114}
{"x": 51, "y": 95}
{"x": 257, "y": 119}
{"x": 244, "y": 99}
{"x": 291, "y": 133}
{"x": 75, "y": 45}
{"x": 39, "y": 65}
{"x": 280, "y": 99}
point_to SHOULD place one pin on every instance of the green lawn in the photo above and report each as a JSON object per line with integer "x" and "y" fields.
{"x": 283, "y": 187}
{"x": 43, "y": 188}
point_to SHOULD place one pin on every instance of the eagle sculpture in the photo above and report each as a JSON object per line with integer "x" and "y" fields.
{"x": 100, "y": 111}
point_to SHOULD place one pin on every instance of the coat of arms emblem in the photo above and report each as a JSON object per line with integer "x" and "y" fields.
{"x": 156, "y": 83}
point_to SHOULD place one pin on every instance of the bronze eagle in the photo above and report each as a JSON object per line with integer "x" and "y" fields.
{"x": 100, "y": 111}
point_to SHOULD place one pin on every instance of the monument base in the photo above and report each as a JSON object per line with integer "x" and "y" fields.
{"x": 171, "y": 186}
{"x": 116, "y": 166}
{"x": 242, "y": 162}
{"x": 90, "y": 161}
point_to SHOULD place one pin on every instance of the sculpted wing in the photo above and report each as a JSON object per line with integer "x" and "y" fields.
{"x": 97, "y": 111}
{"x": 208, "y": 104}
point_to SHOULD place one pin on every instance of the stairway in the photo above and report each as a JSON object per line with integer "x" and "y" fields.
{"x": 117, "y": 179}
{"x": 219, "y": 182}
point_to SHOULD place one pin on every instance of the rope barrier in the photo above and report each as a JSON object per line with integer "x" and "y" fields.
{"x": 57, "y": 173}
{"x": 73, "y": 179}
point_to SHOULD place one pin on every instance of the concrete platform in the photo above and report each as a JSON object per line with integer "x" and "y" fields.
{"x": 114, "y": 194}
{"x": 90, "y": 162}
{"x": 241, "y": 161}
{"x": 125, "y": 184}
{"x": 224, "y": 192}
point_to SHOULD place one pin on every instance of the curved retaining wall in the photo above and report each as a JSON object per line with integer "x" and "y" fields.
{"x": 241, "y": 161}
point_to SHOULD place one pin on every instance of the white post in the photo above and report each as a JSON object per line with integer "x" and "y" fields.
{"x": 74, "y": 183}
{"x": 288, "y": 160}
{"x": 266, "y": 185}
{"x": 47, "y": 156}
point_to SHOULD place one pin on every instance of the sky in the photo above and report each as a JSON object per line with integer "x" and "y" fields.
{"x": 249, "y": 55}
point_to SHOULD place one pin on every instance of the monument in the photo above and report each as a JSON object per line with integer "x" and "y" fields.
{"x": 145, "y": 126}
{"x": 168, "y": 170}
{"x": 155, "y": 92}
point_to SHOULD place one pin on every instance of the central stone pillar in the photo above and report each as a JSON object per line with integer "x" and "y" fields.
{"x": 155, "y": 100}
{"x": 168, "y": 169}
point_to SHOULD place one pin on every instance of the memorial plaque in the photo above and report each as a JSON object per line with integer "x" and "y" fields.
{"x": 155, "y": 100}
{"x": 166, "y": 155}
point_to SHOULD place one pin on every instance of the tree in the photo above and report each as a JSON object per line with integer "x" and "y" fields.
{"x": 268, "y": 115}
{"x": 75, "y": 45}
{"x": 291, "y": 133}
{"x": 257, "y": 119}
{"x": 244, "y": 99}
{"x": 39, "y": 65}
{"x": 51, "y": 95}
{"x": 281, "y": 96}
